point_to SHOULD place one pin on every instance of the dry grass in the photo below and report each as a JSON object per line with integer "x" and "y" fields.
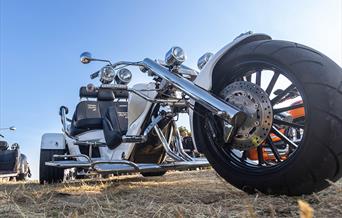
{"x": 177, "y": 194}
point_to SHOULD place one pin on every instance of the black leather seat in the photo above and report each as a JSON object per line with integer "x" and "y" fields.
{"x": 87, "y": 117}
{"x": 89, "y": 114}
{"x": 8, "y": 160}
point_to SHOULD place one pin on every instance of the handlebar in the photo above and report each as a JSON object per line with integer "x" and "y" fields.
{"x": 94, "y": 75}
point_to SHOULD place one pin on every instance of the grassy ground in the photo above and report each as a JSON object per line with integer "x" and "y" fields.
{"x": 177, "y": 194}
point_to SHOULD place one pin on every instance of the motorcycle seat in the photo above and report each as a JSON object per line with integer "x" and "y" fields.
{"x": 8, "y": 160}
{"x": 87, "y": 117}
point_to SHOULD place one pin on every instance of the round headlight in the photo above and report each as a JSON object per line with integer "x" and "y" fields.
{"x": 203, "y": 60}
{"x": 107, "y": 74}
{"x": 123, "y": 76}
{"x": 175, "y": 56}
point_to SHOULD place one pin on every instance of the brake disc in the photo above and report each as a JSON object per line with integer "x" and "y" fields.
{"x": 255, "y": 102}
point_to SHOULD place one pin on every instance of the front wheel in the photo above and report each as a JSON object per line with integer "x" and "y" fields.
{"x": 274, "y": 81}
{"x": 21, "y": 177}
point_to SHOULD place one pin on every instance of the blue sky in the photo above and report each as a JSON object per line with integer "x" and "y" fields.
{"x": 40, "y": 43}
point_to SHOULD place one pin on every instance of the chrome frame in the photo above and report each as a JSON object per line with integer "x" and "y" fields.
{"x": 64, "y": 119}
{"x": 166, "y": 145}
{"x": 178, "y": 142}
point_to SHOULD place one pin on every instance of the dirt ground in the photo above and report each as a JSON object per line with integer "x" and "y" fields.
{"x": 177, "y": 194}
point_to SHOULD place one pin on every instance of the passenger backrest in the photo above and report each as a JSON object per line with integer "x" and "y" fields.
{"x": 87, "y": 109}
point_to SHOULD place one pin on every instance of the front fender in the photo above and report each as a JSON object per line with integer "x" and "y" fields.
{"x": 204, "y": 79}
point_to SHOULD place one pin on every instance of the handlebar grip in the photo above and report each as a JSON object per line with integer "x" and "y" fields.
{"x": 94, "y": 75}
{"x": 63, "y": 108}
{"x": 115, "y": 86}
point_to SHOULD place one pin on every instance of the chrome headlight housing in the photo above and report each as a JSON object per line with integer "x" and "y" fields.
{"x": 203, "y": 60}
{"x": 123, "y": 76}
{"x": 175, "y": 56}
{"x": 107, "y": 74}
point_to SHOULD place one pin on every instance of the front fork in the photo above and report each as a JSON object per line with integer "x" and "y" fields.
{"x": 225, "y": 110}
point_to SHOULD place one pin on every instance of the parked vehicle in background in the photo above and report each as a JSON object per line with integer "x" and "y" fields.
{"x": 13, "y": 164}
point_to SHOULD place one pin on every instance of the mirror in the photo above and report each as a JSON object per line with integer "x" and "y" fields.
{"x": 86, "y": 57}
{"x": 12, "y": 128}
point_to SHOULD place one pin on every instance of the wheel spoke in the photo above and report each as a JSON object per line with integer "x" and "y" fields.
{"x": 292, "y": 107}
{"x": 244, "y": 156}
{"x": 258, "y": 78}
{"x": 249, "y": 78}
{"x": 285, "y": 123}
{"x": 282, "y": 94}
{"x": 272, "y": 83}
{"x": 283, "y": 137}
{"x": 273, "y": 148}
{"x": 260, "y": 155}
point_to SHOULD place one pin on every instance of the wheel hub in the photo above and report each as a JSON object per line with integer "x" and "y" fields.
{"x": 254, "y": 101}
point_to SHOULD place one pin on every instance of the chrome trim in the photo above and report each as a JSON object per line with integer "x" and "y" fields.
{"x": 70, "y": 156}
{"x": 203, "y": 60}
{"x": 143, "y": 138}
{"x": 226, "y": 111}
{"x": 64, "y": 119}
{"x": 8, "y": 175}
{"x": 126, "y": 162}
{"x": 179, "y": 144}
{"x": 166, "y": 145}
{"x": 146, "y": 167}
{"x": 175, "y": 56}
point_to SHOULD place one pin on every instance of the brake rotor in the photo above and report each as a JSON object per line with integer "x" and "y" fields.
{"x": 255, "y": 102}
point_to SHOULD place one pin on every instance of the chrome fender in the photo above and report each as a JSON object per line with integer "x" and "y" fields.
{"x": 205, "y": 77}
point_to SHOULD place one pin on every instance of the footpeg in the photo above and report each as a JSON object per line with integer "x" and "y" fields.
{"x": 133, "y": 139}
{"x": 90, "y": 143}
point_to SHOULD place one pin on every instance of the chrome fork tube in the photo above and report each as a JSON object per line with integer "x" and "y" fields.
{"x": 178, "y": 143}
{"x": 166, "y": 145}
{"x": 225, "y": 110}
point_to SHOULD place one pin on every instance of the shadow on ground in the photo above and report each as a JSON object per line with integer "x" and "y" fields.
{"x": 177, "y": 194}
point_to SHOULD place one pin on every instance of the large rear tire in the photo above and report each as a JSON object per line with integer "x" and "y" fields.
{"x": 318, "y": 159}
{"x": 48, "y": 174}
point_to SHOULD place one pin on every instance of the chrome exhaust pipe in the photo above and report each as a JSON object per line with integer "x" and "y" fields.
{"x": 225, "y": 110}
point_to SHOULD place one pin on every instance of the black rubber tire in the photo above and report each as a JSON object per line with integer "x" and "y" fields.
{"x": 49, "y": 174}
{"x": 151, "y": 174}
{"x": 20, "y": 177}
{"x": 319, "y": 157}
